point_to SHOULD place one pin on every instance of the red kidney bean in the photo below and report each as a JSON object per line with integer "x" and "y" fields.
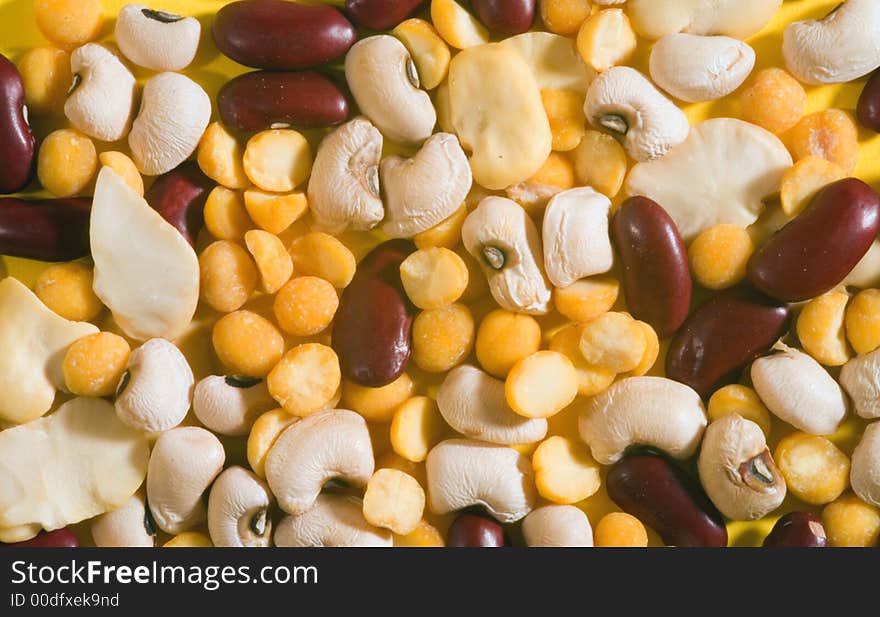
{"x": 721, "y": 337}
{"x": 282, "y": 36}
{"x": 60, "y": 538}
{"x": 372, "y": 332}
{"x": 506, "y": 17}
{"x": 656, "y": 275}
{"x": 260, "y": 100}
{"x": 476, "y": 531}
{"x": 868, "y": 108}
{"x": 45, "y": 229}
{"x": 797, "y": 529}
{"x": 661, "y": 495}
{"x": 180, "y": 196}
{"x": 17, "y": 142}
{"x": 381, "y": 14}
{"x": 817, "y": 249}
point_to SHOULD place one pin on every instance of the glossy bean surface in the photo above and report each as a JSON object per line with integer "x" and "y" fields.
{"x": 45, "y": 229}
{"x": 506, "y": 17}
{"x": 797, "y": 530}
{"x": 476, "y": 531}
{"x": 282, "y": 36}
{"x": 180, "y": 196}
{"x": 60, "y": 538}
{"x": 372, "y": 332}
{"x": 657, "y": 492}
{"x": 868, "y": 107}
{"x": 17, "y": 144}
{"x": 817, "y": 249}
{"x": 656, "y": 275}
{"x": 381, "y": 14}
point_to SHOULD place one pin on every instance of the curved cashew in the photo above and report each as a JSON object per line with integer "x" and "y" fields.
{"x": 426, "y": 189}
{"x": 737, "y": 470}
{"x": 126, "y": 526}
{"x": 505, "y": 241}
{"x": 385, "y": 83}
{"x": 557, "y": 526}
{"x": 652, "y": 411}
{"x": 101, "y": 100}
{"x": 238, "y": 510}
{"x": 174, "y": 114}
{"x": 231, "y": 405}
{"x": 474, "y": 404}
{"x": 575, "y": 234}
{"x": 156, "y": 388}
{"x": 864, "y": 474}
{"x": 157, "y": 40}
{"x": 334, "y": 520}
{"x": 860, "y": 378}
{"x": 624, "y": 103}
{"x": 842, "y": 47}
{"x": 697, "y": 68}
{"x": 327, "y": 445}
{"x": 344, "y": 185}
{"x": 464, "y": 472}
{"x": 184, "y": 462}
{"x": 737, "y": 18}
{"x": 799, "y": 391}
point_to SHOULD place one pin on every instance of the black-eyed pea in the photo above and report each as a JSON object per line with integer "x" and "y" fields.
{"x": 587, "y": 299}
{"x": 377, "y": 404}
{"x": 613, "y": 341}
{"x": 394, "y": 500}
{"x": 278, "y": 160}
{"x": 306, "y": 379}
{"x": 247, "y": 344}
{"x": 262, "y": 436}
{"x": 442, "y": 337}
{"x": 592, "y": 379}
{"x": 600, "y": 162}
{"x": 504, "y": 338}
{"x": 273, "y": 261}
{"x": 305, "y": 305}
{"x": 69, "y": 23}
{"x": 425, "y": 535}
{"x": 862, "y": 320}
{"x": 417, "y": 427}
{"x": 94, "y": 365}
{"x": 742, "y": 400}
{"x": 458, "y": 28}
{"x": 433, "y": 278}
{"x": 428, "y": 50}
{"x": 849, "y": 521}
{"x": 541, "y": 385}
{"x": 320, "y": 254}
{"x": 45, "y": 72}
{"x": 820, "y": 328}
{"x": 238, "y": 510}
{"x": 225, "y": 215}
{"x": 719, "y": 256}
{"x": 228, "y": 276}
{"x": 565, "y": 473}
{"x": 67, "y": 162}
{"x": 272, "y": 212}
{"x": 446, "y": 234}
{"x": 803, "y": 180}
{"x": 815, "y": 470}
{"x": 220, "y": 157}
{"x": 565, "y": 111}
{"x": 606, "y": 39}
{"x": 67, "y": 289}
{"x": 125, "y": 167}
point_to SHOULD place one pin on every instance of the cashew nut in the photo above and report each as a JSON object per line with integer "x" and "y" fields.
{"x": 231, "y": 405}
{"x": 157, "y": 40}
{"x": 737, "y": 18}
{"x": 101, "y": 100}
{"x": 184, "y": 462}
{"x": 327, "y": 445}
{"x": 864, "y": 474}
{"x": 737, "y": 470}
{"x": 238, "y": 510}
{"x": 174, "y": 114}
{"x": 474, "y": 404}
{"x": 697, "y": 68}
{"x": 334, "y": 520}
{"x": 860, "y": 378}
{"x": 652, "y": 411}
{"x": 799, "y": 391}
{"x": 575, "y": 233}
{"x": 385, "y": 83}
{"x": 842, "y": 47}
{"x": 344, "y": 186}
{"x": 622, "y": 102}
{"x": 156, "y": 388}
{"x": 128, "y": 526}
{"x": 464, "y": 472}
{"x": 426, "y": 189}
{"x": 505, "y": 241}
{"x": 557, "y": 526}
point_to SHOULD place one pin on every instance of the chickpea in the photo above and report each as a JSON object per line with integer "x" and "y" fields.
{"x": 247, "y": 344}
{"x": 67, "y": 290}
{"x": 93, "y": 365}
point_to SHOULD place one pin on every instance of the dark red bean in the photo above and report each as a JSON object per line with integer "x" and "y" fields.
{"x": 282, "y": 36}
{"x": 868, "y": 108}
{"x": 661, "y": 495}
{"x": 817, "y": 249}
{"x": 372, "y": 332}
{"x": 17, "y": 142}
{"x": 721, "y": 337}
{"x": 60, "y": 538}
{"x": 45, "y": 229}
{"x": 180, "y": 196}
{"x": 797, "y": 529}
{"x": 475, "y": 531}
{"x": 506, "y": 17}
{"x": 381, "y": 14}
{"x": 257, "y": 101}
{"x": 656, "y": 275}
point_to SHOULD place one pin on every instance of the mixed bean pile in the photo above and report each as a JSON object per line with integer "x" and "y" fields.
{"x": 439, "y": 273}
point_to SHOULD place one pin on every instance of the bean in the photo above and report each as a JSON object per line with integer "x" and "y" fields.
{"x": 60, "y": 538}
{"x": 656, "y": 275}
{"x": 372, "y": 333}
{"x": 797, "y": 529}
{"x": 657, "y": 492}
{"x": 260, "y": 100}
{"x": 45, "y": 229}
{"x": 18, "y": 144}
{"x": 381, "y": 14}
{"x": 816, "y": 250}
{"x": 506, "y": 17}
{"x": 476, "y": 531}
{"x": 868, "y": 108}
{"x": 281, "y": 36}
{"x": 180, "y": 196}
{"x": 721, "y": 337}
